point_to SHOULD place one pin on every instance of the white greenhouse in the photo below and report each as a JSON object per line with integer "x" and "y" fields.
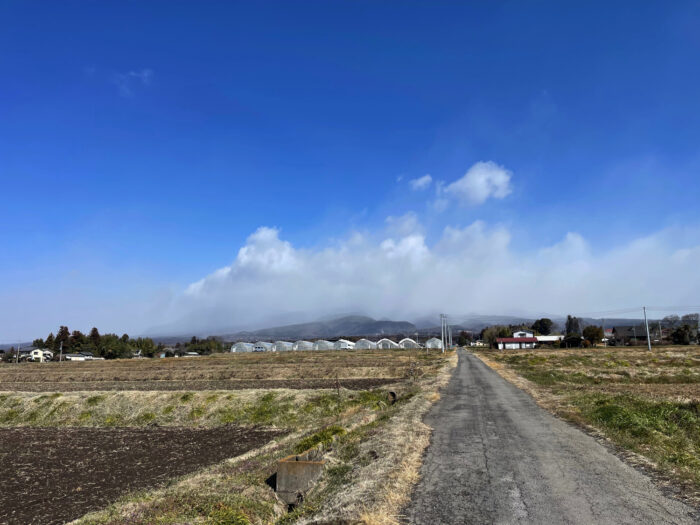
{"x": 343, "y": 344}
{"x": 303, "y": 345}
{"x": 407, "y": 342}
{"x": 262, "y": 346}
{"x": 386, "y": 344}
{"x": 365, "y": 344}
{"x": 322, "y": 344}
{"x": 282, "y": 346}
{"x": 242, "y": 347}
{"x": 434, "y": 342}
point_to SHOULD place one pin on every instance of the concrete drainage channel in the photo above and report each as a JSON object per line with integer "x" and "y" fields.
{"x": 298, "y": 473}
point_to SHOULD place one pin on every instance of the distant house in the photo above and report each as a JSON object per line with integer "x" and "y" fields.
{"x": 365, "y": 344}
{"x": 40, "y": 355}
{"x": 477, "y": 343}
{"x": 407, "y": 342}
{"x": 262, "y": 346}
{"x": 387, "y": 344}
{"x": 303, "y": 345}
{"x": 322, "y": 344}
{"x": 523, "y": 333}
{"x": 343, "y": 344}
{"x": 77, "y": 357}
{"x": 515, "y": 343}
{"x": 282, "y": 346}
{"x": 434, "y": 342}
{"x": 242, "y": 347}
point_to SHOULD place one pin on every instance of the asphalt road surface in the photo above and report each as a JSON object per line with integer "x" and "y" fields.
{"x": 496, "y": 457}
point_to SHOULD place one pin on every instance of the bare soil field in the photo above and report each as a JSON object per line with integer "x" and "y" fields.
{"x": 52, "y": 475}
{"x": 168, "y": 385}
{"x": 354, "y": 370}
{"x": 643, "y": 401}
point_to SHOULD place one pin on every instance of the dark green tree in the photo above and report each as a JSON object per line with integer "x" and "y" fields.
{"x": 543, "y": 326}
{"x": 573, "y": 325}
{"x": 94, "y": 337}
{"x": 593, "y": 334}
{"x": 38, "y": 343}
{"x": 63, "y": 336}
{"x": 681, "y": 335}
{"x": 50, "y": 341}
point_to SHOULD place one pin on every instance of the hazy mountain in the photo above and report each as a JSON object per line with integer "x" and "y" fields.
{"x": 351, "y": 325}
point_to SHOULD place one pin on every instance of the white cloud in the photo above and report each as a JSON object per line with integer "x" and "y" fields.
{"x": 421, "y": 183}
{"x": 126, "y": 82}
{"x": 403, "y": 275}
{"x": 482, "y": 181}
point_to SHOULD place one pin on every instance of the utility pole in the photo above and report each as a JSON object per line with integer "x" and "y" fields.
{"x": 443, "y": 331}
{"x": 19, "y": 347}
{"x": 646, "y": 324}
{"x": 60, "y": 356}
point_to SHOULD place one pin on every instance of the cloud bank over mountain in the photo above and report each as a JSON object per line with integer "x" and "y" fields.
{"x": 404, "y": 275}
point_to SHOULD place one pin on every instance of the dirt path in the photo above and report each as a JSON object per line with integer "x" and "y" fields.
{"x": 496, "y": 457}
{"x": 54, "y": 475}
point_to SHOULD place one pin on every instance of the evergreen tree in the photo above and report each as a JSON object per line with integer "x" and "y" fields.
{"x": 50, "y": 341}
{"x": 63, "y": 336}
{"x": 94, "y": 338}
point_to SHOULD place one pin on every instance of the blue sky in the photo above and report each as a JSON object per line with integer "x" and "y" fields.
{"x": 143, "y": 143}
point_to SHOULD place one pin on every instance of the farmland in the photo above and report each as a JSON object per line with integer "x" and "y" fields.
{"x": 181, "y": 440}
{"x": 644, "y": 402}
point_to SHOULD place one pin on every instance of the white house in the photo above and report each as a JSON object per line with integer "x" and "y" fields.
{"x": 322, "y": 344}
{"x": 477, "y": 343}
{"x": 303, "y": 345}
{"x": 523, "y": 333}
{"x": 242, "y": 347}
{"x": 262, "y": 346}
{"x": 40, "y": 356}
{"x": 407, "y": 342}
{"x": 386, "y": 344}
{"x": 365, "y": 344}
{"x": 282, "y": 346}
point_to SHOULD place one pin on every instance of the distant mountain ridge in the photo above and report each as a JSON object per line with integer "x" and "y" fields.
{"x": 351, "y": 325}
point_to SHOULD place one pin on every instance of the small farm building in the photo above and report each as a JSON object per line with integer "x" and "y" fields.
{"x": 515, "y": 343}
{"x": 343, "y": 344}
{"x": 365, "y": 344}
{"x": 434, "y": 342}
{"x": 386, "y": 344}
{"x": 282, "y": 346}
{"x": 407, "y": 342}
{"x": 549, "y": 339}
{"x": 303, "y": 345}
{"x": 523, "y": 333}
{"x": 242, "y": 347}
{"x": 322, "y": 344}
{"x": 262, "y": 346}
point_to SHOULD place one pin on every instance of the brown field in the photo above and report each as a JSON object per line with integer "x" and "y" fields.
{"x": 57, "y": 475}
{"x": 114, "y": 435}
{"x": 354, "y": 369}
{"x": 647, "y": 402}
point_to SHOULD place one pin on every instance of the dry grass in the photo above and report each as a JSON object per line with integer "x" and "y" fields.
{"x": 372, "y": 465}
{"x": 221, "y": 367}
{"x": 381, "y": 462}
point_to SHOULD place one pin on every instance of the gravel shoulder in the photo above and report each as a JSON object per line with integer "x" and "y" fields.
{"x": 496, "y": 457}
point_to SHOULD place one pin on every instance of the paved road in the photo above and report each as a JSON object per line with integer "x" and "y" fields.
{"x": 496, "y": 457}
